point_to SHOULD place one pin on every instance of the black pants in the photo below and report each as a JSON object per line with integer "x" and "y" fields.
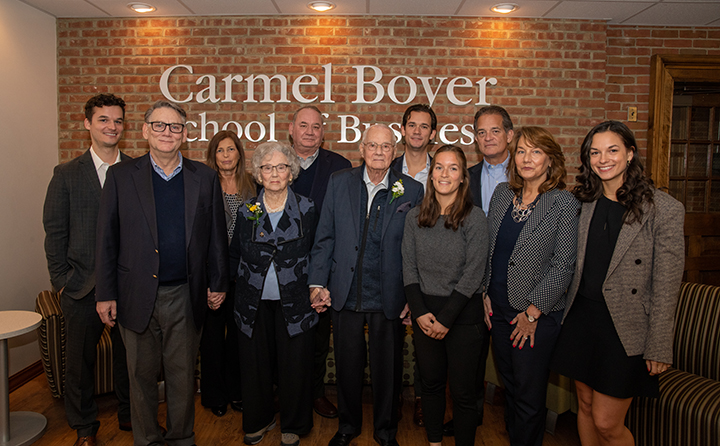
{"x": 385, "y": 339}
{"x": 219, "y": 356}
{"x": 322, "y": 347}
{"x": 456, "y": 357}
{"x": 83, "y": 329}
{"x": 524, "y": 374}
{"x": 272, "y": 348}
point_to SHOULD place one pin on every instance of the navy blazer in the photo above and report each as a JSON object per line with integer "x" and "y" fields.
{"x": 542, "y": 263}
{"x": 255, "y": 247}
{"x": 334, "y": 255}
{"x": 327, "y": 163}
{"x": 127, "y": 240}
{"x": 476, "y": 184}
{"x": 70, "y": 218}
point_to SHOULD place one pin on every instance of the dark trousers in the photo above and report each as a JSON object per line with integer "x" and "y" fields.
{"x": 272, "y": 348}
{"x": 524, "y": 374}
{"x": 169, "y": 342}
{"x": 385, "y": 339}
{"x": 83, "y": 329}
{"x": 455, "y": 358}
{"x": 322, "y": 347}
{"x": 219, "y": 355}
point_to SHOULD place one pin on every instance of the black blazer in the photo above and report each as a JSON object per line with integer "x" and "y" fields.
{"x": 70, "y": 217}
{"x": 127, "y": 240}
{"x": 328, "y": 163}
{"x": 476, "y": 184}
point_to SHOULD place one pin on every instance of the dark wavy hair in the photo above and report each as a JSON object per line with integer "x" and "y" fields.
{"x": 103, "y": 100}
{"x": 636, "y": 188}
{"x": 542, "y": 139}
{"x": 243, "y": 180}
{"x": 421, "y": 108}
{"x": 460, "y": 209}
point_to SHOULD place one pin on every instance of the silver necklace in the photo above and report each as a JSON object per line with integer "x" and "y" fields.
{"x": 518, "y": 213}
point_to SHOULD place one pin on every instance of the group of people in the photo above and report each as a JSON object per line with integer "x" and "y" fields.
{"x": 254, "y": 264}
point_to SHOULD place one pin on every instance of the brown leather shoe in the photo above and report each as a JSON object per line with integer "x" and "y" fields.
{"x": 325, "y": 408}
{"x": 86, "y": 441}
{"x": 418, "y": 415}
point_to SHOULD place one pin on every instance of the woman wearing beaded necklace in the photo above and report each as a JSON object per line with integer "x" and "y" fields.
{"x": 269, "y": 253}
{"x": 220, "y": 377}
{"x": 533, "y": 239}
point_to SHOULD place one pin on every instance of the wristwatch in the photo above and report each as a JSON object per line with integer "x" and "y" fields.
{"x": 531, "y": 319}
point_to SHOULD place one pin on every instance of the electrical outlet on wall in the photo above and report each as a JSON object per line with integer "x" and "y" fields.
{"x": 632, "y": 114}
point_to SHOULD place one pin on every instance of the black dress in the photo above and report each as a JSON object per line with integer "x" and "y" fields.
{"x": 588, "y": 348}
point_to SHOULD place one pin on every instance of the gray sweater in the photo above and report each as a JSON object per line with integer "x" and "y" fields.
{"x": 438, "y": 261}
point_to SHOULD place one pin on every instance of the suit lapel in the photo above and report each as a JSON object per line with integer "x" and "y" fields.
{"x": 88, "y": 168}
{"x": 355, "y": 192}
{"x": 543, "y": 206}
{"x": 390, "y": 208}
{"x": 499, "y": 209}
{"x": 588, "y": 209}
{"x": 288, "y": 228}
{"x": 321, "y": 172}
{"x": 191, "y": 183}
{"x": 142, "y": 178}
{"x": 625, "y": 239}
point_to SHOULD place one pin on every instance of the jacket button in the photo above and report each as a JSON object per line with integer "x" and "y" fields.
{"x": 154, "y": 276}
{"x": 156, "y": 252}
{"x": 634, "y": 291}
{"x": 638, "y": 261}
{"x": 352, "y": 269}
{"x": 356, "y": 248}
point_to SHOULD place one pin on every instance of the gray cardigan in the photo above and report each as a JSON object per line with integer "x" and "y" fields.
{"x": 643, "y": 281}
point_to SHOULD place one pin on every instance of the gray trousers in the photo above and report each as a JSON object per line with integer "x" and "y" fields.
{"x": 169, "y": 342}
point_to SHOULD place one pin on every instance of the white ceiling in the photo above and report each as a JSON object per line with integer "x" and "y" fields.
{"x": 627, "y": 12}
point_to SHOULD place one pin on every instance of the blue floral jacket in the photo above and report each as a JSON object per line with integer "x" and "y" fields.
{"x": 255, "y": 247}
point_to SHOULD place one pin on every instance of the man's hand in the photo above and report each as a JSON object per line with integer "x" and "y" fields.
{"x": 215, "y": 299}
{"x": 406, "y": 316}
{"x": 107, "y": 311}
{"x": 320, "y": 299}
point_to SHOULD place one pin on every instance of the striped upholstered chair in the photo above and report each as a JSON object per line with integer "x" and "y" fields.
{"x": 688, "y": 410}
{"x": 51, "y": 334}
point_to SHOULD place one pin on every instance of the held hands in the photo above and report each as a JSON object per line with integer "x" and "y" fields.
{"x": 107, "y": 310}
{"x": 656, "y": 368}
{"x": 431, "y": 326}
{"x": 215, "y": 299}
{"x": 320, "y": 299}
{"x": 524, "y": 329}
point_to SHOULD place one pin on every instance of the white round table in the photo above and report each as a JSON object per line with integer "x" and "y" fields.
{"x": 17, "y": 428}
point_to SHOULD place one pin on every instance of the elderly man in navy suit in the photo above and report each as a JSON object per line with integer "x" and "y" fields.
{"x": 356, "y": 269}
{"x": 162, "y": 259}
{"x": 317, "y": 164}
{"x": 70, "y": 219}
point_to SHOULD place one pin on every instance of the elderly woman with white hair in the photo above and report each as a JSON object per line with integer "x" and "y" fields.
{"x": 269, "y": 252}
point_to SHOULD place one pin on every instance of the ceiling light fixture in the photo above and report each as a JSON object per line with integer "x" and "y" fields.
{"x": 141, "y": 8}
{"x": 504, "y": 8}
{"x": 321, "y": 6}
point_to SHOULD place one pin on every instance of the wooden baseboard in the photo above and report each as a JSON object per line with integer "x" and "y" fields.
{"x": 25, "y": 375}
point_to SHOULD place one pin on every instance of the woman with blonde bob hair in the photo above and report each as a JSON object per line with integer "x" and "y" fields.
{"x": 533, "y": 238}
{"x": 446, "y": 311}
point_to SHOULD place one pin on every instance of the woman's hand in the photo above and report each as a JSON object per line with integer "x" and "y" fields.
{"x": 524, "y": 329}
{"x": 488, "y": 310}
{"x": 431, "y": 326}
{"x": 215, "y": 299}
{"x": 656, "y": 368}
{"x": 320, "y": 299}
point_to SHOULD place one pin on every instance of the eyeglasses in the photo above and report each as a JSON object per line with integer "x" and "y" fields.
{"x": 159, "y": 126}
{"x": 281, "y": 168}
{"x": 373, "y": 146}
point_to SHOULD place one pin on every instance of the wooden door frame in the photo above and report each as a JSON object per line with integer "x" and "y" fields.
{"x": 665, "y": 70}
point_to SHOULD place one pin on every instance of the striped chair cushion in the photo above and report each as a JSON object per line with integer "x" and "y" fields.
{"x": 51, "y": 334}
{"x": 686, "y": 414}
{"x": 697, "y": 330}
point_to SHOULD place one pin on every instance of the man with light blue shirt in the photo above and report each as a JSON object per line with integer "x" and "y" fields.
{"x": 493, "y": 133}
{"x": 419, "y": 125}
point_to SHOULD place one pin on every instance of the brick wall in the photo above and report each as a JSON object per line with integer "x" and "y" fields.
{"x": 566, "y": 75}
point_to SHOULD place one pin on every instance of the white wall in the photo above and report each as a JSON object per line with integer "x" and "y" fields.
{"x": 28, "y": 153}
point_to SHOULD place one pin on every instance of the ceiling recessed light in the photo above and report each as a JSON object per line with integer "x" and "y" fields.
{"x": 504, "y": 8}
{"x": 321, "y": 6}
{"x": 141, "y": 8}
